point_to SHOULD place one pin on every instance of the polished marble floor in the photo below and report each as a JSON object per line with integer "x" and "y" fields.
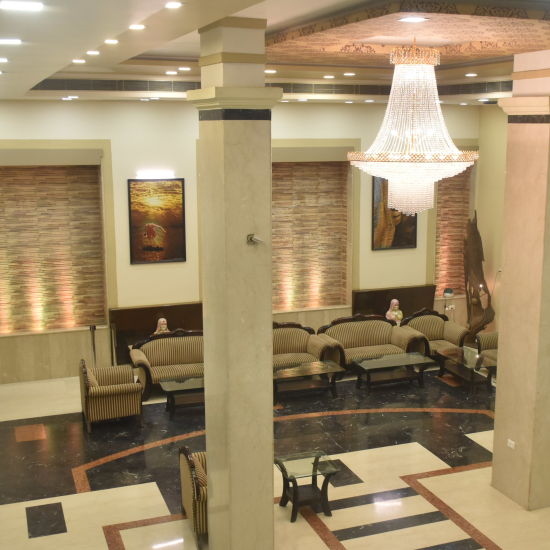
{"x": 415, "y": 470}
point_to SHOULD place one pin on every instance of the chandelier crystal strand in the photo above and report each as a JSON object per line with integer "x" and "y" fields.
{"x": 413, "y": 148}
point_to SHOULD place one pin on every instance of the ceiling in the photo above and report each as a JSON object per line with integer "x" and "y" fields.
{"x": 305, "y": 41}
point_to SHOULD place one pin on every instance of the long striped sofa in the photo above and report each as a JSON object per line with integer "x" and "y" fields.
{"x": 294, "y": 344}
{"x": 174, "y": 355}
{"x": 369, "y": 336}
{"x": 194, "y": 492}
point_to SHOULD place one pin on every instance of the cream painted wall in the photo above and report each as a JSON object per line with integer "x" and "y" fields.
{"x": 489, "y": 192}
{"x": 377, "y": 269}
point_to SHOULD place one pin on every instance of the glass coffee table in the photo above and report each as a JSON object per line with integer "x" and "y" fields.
{"x": 397, "y": 367}
{"x": 187, "y": 391}
{"x": 465, "y": 363}
{"x": 302, "y": 466}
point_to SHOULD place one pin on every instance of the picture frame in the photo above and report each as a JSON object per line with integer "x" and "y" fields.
{"x": 157, "y": 220}
{"x": 391, "y": 229}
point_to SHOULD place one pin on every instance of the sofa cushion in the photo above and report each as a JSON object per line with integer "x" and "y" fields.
{"x": 370, "y": 352}
{"x": 174, "y": 351}
{"x": 361, "y": 333}
{"x": 285, "y": 360}
{"x": 289, "y": 340}
{"x": 429, "y": 325}
{"x": 172, "y": 372}
{"x": 490, "y": 355}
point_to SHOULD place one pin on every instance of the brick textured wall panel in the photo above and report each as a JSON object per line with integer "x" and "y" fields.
{"x": 51, "y": 248}
{"x": 310, "y": 234}
{"x": 453, "y": 207}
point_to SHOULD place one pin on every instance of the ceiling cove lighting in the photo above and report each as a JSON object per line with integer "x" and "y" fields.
{"x": 470, "y": 75}
{"x": 329, "y": 76}
{"x": 349, "y": 74}
{"x": 171, "y": 72}
{"x": 11, "y": 5}
{"x": 369, "y": 100}
{"x": 184, "y": 68}
{"x": 413, "y": 149}
{"x": 10, "y": 41}
{"x": 136, "y": 27}
{"x": 111, "y": 41}
{"x": 79, "y": 61}
{"x": 173, "y": 5}
{"x": 92, "y": 52}
{"x": 270, "y": 71}
{"x": 413, "y": 19}
{"x": 483, "y": 100}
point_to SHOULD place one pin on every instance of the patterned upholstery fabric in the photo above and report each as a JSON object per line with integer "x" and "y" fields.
{"x": 171, "y": 372}
{"x": 289, "y": 340}
{"x": 429, "y": 325}
{"x": 370, "y": 352}
{"x": 174, "y": 351}
{"x": 490, "y": 354}
{"x": 285, "y": 360}
{"x": 361, "y": 333}
{"x": 200, "y": 473}
{"x": 92, "y": 380}
{"x": 194, "y": 495}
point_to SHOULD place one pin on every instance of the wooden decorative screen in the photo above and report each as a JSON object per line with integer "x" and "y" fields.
{"x": 310, "y": 234}
{"x": 51, "y": 248}
{"x": 453, "y": 207}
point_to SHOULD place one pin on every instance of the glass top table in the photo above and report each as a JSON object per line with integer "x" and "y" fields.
{"x": 465, "y": 363}
{"x": 306, "y": 465}
{"x": 185, "y": 391}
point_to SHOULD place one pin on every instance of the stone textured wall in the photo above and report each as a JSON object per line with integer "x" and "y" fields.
{"x": 51, "y": 248}
{"x": 453, "y": 205}
{"x": 310, "y": 234}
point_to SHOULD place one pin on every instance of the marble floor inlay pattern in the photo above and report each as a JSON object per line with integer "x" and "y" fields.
{"x": 398, "y": 447}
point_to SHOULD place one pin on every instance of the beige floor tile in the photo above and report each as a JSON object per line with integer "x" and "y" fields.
{"x": 499, "y": 518}
{"x": 411, "y": 538}
{"x": 294, "y": 536}
{"x": 485, "y": 439}
{"x": 173, "y": 535}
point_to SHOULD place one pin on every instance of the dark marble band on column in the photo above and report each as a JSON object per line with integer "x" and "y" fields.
{"x": 235, "y": 114}
{"x": 529, "y": 119}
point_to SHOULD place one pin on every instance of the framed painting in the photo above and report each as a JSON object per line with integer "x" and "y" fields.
{"x": 390, "y": 228}
{"x": 157, "y": 220}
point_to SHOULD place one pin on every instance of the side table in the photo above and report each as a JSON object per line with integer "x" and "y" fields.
{"x": 304, "y": 465}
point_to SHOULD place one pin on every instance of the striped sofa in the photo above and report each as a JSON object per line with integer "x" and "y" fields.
{"x": 439, "y": 331}
{"x": 369, "y": 336}
{"x": 294, "y": 344}
{"x": 108, "y": 392}
{"x": 487, "y": 346}
{"x": 194, "y": 490}
{"x": 171, "y": 356}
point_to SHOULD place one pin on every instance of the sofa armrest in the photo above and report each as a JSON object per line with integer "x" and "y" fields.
{"x": 328, "y": 339}
{"x": 317, "y": 346}
{"x": 405, "y": 337}
{"x": 121, "y": 374}
{"x": 118, "y": 389}
{"x": 454, "y": 333}
{"x": 139, "y": 359}
{"x": 486, "y": 340}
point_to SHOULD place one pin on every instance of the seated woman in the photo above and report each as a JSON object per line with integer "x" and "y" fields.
{"x": 162, "y": 326}
{"x": 394, "y": 313}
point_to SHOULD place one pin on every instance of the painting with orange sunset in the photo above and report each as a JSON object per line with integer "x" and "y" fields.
{"x": 157, "y": 221}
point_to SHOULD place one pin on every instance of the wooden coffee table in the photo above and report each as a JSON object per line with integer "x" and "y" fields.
{"x": 393, "y": 368}
{"x": 314, "y": 375}
{"x": 188, "y": 391}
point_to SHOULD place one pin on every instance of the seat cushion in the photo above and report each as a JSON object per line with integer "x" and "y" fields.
{"x": 438, "y": 345}
{"x": 285, "y": 360}
{"x": 361, "y": 333}
{"x": 172, "y": 372}
{"x": 174, "y": 351}
{"x": 490, "y": 355}
{"x": 289, "y": 340}
{"x": 429, "y": 325}
{"x": 370, "y": 352}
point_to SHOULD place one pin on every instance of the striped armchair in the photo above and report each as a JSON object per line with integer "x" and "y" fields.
{"x": 194, "y": 490}
{"x": 108, "y": 392}
{"x": 369, "y": 336}
{"x": 439, "y": 331}
{"x": 294, "y": 344}
{"x": 171, "y": 356}
{"x": 487, "y": 346}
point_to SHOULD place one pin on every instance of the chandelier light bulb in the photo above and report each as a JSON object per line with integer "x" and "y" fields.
{"x": 413, "y": 149}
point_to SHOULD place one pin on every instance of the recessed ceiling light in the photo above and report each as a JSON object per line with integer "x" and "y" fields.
{"x": 3, "y": 59}
{"x": 21, "y": 6}
{"x": 349, "y": 74}
{"x": 470, "y": 75}
{"x": 184, "y": 68}
{"x": 10, "y": 41}
{"x": 144, "y": 99}
{"x": 173, "y": 5}
{"x": 284, "y": 100}
{"x": 328, "y": 76}
{"x": 349, "y": 101}
{"x": 92, "y": 52}
{"x": 369, "y": 100}
{"x": 303, "y": 99}
{"x": 413, "y": 19}
{"x": 111, "y": 41}
{"x": 270, "y": 71}
{"x": 154, "y": 98}
{"x": 483, "y": 100}
{"x": 66, "y": 99}
{"x": 72, "y": 96}
{"x": 171, "y": 72}
{"x": 136, "y": 27}
{"x": 463, "y": 104}
{"x": 79, "y": 61}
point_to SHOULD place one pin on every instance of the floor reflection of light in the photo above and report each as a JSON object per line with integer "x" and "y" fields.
{"x": 166, "y": 544}
{"x": 388, "y": 504}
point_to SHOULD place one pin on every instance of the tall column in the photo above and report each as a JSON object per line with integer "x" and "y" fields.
{"x": 234, "y": 196}
{"x": 522, "y": 434}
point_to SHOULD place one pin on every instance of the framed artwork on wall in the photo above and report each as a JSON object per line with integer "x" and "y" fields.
{"x": 157, "y": 220}
{"x": 390, "y": 228}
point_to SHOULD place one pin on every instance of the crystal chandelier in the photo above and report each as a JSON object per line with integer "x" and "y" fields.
{"x": 413, "y": 149}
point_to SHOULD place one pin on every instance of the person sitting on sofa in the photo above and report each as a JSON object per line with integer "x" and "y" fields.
{"x": 162, "y": 326}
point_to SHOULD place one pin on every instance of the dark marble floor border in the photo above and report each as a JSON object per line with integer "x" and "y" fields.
{"x": 82, "y": 483}
{"x": 413, "y": 480}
